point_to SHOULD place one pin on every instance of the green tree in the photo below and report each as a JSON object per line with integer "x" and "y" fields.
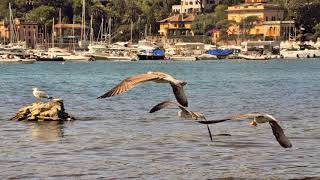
{"x": 249, "y": 23}
{"x": 42, "y": 15}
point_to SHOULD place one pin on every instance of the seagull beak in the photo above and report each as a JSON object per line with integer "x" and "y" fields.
{"x": 254, "y": 123}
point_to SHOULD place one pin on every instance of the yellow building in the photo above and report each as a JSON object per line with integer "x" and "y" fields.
{"x": 177, "y": 25}
{"x": 194, "y": 6}
{"x": 271, "y": 19}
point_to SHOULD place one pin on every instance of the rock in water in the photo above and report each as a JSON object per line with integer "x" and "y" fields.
{"x": 43, "y": 111}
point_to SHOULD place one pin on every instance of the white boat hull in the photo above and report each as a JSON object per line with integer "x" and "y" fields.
{"x": 76, "y": 58}
{"x": 207, "y": 57}
{"x": 253, "y": 57}
{"x": 183, "y": 58}
{"x": 299, "y": 54}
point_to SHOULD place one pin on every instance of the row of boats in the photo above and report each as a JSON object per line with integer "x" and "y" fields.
{"x": 149, "y": 51}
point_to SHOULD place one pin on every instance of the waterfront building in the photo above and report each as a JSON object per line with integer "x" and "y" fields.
{"x": 271, "y": 25}
{"x": 23, "y": 31}
{"x": 194, "y": 6}
{"x": 177, "y": 25}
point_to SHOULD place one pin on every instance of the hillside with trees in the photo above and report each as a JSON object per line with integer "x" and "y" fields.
{"x": 148, "y": 12}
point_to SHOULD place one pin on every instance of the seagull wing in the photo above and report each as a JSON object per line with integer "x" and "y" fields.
{"x": 236, "y": 117}
{"x": 167, "y": 104}
{"x": 279, "y": 134}
{"x": 42, "y": 94}
{"x": 129, "y": 83}
{"x": 180, "y": 95}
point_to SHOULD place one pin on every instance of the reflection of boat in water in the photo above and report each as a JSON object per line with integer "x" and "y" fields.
{"x": 46, "y": 131}
{"x": 10, "y": 59}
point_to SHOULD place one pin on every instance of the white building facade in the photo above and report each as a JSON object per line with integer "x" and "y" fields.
{"x": 194, "y": 6}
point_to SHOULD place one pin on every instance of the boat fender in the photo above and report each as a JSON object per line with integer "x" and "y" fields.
{"x": 308, "y": 56}
{"x": 298, "y": 56}
{"x": 314, "y": 56}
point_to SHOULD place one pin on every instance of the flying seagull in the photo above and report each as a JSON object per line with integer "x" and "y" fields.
{"x": 184, "y": 113}
{"x": 260, "y": 118}
{"x": 158, "y": 77}
{"x": 40, "y": 94}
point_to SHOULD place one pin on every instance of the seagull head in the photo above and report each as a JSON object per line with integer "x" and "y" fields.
{"x": 35, "y": 89}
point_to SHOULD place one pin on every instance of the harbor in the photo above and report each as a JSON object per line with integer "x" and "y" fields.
{"x": 86, "y": 42}
{"x": 175, "y": 89}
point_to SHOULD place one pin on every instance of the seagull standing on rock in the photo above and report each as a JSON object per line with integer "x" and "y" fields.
{"x": 158, "y": 77}
{"x": 40, "y": 94}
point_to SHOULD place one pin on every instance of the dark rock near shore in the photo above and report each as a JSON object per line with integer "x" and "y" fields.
{"x": 43, "y": 111}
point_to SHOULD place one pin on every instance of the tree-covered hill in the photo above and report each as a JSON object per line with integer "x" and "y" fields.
{"x": 122, "y": 12}
{"x": 142, "y": 12}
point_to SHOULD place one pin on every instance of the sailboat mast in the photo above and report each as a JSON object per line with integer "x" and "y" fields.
{"x": 73, "y": 36}
{"x": 53, "y": 33}
{"x": 60, "y": 30}
{"x": 131, "y": 31}
{"x": 11, "y": 24}
{"x": 109, "y": 25}
{"x": 102, "y": 29}
{"x": 83, "y": 22}
{"x": 145, "y": 31}
{"x": 91, "y": 30}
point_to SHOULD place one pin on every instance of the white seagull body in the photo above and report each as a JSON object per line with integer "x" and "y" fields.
{"x": 260, "y": 118}
{"x": 158, "y": 77}
{"x": 40, "y": 94}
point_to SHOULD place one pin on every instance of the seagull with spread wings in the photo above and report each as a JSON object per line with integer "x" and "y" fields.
{"x": 184, "y": 113}
{"x": 260, "y": 118}
{"x": 158, "y": 77}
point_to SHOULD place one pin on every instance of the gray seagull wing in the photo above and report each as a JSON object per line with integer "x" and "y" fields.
{"x": 128, "y": 84}
{"x": 166, "y": 104}
{"x": 279, "y": 134}
{"x": 180, "y": 94}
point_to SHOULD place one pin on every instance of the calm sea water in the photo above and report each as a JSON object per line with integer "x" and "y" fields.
{"x": 118, "y": 138}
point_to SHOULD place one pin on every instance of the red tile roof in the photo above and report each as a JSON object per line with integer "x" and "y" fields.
{"x": 179, "y": 18}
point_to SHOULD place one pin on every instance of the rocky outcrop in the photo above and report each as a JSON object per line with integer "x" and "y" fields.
{"x": 43, "y": 111}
